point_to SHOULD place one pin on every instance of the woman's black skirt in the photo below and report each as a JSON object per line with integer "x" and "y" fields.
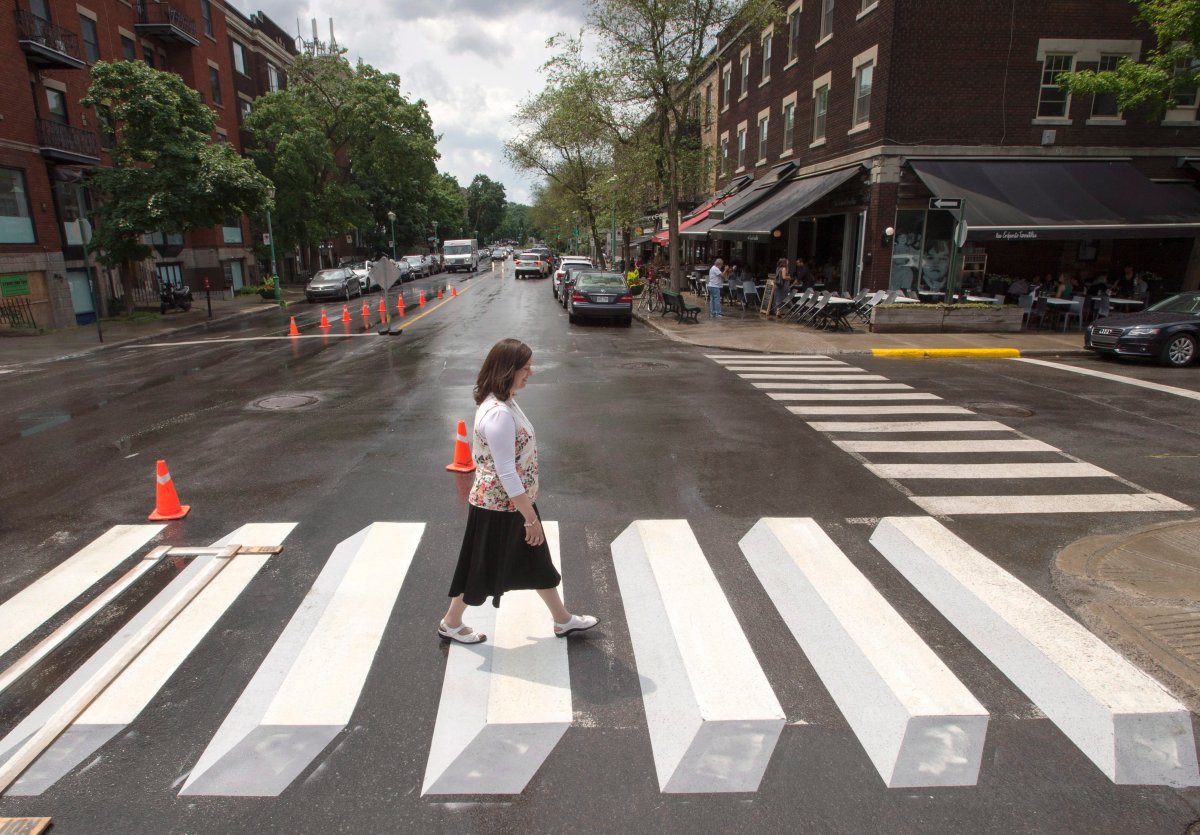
{"x": 495, "y": 558}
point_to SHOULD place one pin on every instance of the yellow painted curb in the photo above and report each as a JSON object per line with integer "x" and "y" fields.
{"x": 919, "y": 353}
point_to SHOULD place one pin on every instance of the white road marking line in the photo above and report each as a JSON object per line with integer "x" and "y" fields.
{"x": 222, "y": 341}
{"x": 801, "y": 369}
{"x": 779, "y": 357}
{"x": 856, "y": 397}
{"x": 1118, "y": 378}
{"x": 1069, "y": 503}
{"x": 306, "y": 689}
{"x": 832, "y": 386}
{"x": 118, "y": 704}
{"x": 917, "y": 722}
{"x": 815, "y": 377}
{"x": 712, "y": 716}
{"x": 945, "y": 446}
{"x": 879, "y": 410}
{"x": 29, "y": 608}
{"x": 911, "y": 426}
{"x": 506, "y": 702}
{"x": 1119, "y": 717}
{"x": 974, "y": 471}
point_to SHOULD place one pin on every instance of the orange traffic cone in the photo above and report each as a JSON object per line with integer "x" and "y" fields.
{"x": 454, "y": 292}
{"x": 366, "y": 311}
{"x": 400, "y": 304}
{"x": 345, "y": 313}
{"x": 166, "y": 501}
{"x": 324, "y": 319}
{"x": 439, "y": 292}
{"x": 293, "y": 330}
{"x": 382, "y": 309}
{"x": 463, "y": 461}
{"x": 422, "y": 298}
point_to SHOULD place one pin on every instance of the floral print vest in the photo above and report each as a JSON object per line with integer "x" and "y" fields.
{"x": 487, "y": 491}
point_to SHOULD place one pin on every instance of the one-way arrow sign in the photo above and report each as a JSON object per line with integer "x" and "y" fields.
{"x": 945, "y": 202}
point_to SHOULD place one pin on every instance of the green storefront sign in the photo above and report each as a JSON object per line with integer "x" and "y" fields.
{"x": 14, "y": 285}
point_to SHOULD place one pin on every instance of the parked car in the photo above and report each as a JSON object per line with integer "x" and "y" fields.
{"x": 531, "y": 264}
{"x": 436, "y": 263}
{"x": 599, "y": 294}
{"x": 561, "y": 272}
{"x": 360, "y": 268}
{"x": 568, "y": 281}
{"x": 500, "y": 253}
{"x": 1167, "y": 331}
{"x": 420, "y": 265}
{"x": 406, "y": 273}
{"x": 337, "y": 283}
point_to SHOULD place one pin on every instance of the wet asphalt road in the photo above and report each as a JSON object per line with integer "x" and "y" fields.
{"x": 630, "y": 426}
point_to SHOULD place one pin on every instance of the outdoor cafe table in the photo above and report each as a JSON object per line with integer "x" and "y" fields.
{"x": 1125, "y": 302}
{"x": 836, "y": 310}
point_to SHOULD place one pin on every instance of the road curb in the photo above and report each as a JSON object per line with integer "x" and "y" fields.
{"x": 918, "y": 353}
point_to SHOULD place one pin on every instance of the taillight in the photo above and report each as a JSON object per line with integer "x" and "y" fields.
{"x": 578, "y": 297}
{"x": 626, "y": 298}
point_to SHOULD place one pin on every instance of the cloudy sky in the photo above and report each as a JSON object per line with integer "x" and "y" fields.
{"x": 472, "y": 61}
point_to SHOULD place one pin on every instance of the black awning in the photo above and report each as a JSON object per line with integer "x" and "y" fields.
{"x": 760, "y": 220}
{"x": 1061, "y": 200}
{"x": 700, "y": 228}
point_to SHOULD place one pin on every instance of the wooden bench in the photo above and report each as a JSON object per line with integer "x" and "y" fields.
{"x": 673, "y": 303}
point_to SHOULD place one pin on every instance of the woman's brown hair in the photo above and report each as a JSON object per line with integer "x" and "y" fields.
{"x": 507, "y": 357}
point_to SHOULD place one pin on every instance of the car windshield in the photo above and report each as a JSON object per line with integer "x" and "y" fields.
{"x": 413, "y": 259}
{"x": 329, "y": 275}
{"x": 594, "y": 281}
{"x": 1181, "y": 303}
{"x": 459, "y": 249}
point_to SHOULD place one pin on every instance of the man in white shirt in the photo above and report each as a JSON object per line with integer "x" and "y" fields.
{"x": 716, "y": 279}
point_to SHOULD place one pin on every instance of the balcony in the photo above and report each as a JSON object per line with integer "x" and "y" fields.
{"x": 46, "y": 45}
{"x": 64, "y": 143}
{"x": 165, "y": 21}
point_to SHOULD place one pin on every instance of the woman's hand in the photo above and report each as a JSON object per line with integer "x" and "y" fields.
{"x": 534, "y": 535}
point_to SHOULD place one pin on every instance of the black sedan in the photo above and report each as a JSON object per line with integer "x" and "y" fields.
{"x": 1168, "y": 331}
{"x": 598, "y": 294}
{"x": 338, "y": 283}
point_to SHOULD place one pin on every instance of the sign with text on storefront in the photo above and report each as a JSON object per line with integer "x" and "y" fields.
{"x": 14, "y": 285}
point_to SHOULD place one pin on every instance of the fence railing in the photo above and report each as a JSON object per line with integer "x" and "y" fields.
{"x": 17, "y": 313}
{"x": 166, "y": 14}
{"x": 62, "y": 137}
{"x": 30, "y": 27}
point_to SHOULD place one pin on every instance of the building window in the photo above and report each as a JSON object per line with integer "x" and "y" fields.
{"x": 274, "y": 78}
{"x": 741, "y": 148}
{"x": 16, "y": 222}
{"x": 128, "y": 49}
{"x": 726, "y": 85}
{"x": 91, "y": 40}
{"x": 766, "y": 55}
{"x": 239, "y": 57}
{"x": 56, "y": 106}
{"x": 1104, "y": 105}
{"x": 231, "y": 232}
{"x": 862, "y": 92}
{"x": 148, "y": 55}
{"x": 724, "y": 156}
{"x": 244, "y": 109}
{"x": 867, "y": 5}
{"x": 206, "y": 13}
{"x": 104, "y": 126}
{"x": 1054, "y": 101}
{"x": 707, "y": 106}
{"x": 793, "y": 36}
{"x": 826, "y": 18}
{"x": 214, "y": 81}
{"x": 40, "y": 9}
{"x": 764, "y": 128}
{"x": 789, "y": 126}
{"x": 1185, "y": 93}
{"x": 820, "y": 108}
{"x": 745, "y": 73}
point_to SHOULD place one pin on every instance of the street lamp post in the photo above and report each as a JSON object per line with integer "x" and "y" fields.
{"x": 271, "y": 238}
{"x": 392, "y": 220}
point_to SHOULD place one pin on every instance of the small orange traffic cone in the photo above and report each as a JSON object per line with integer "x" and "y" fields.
{"x": 382, "y": 309}
{"x": 293, "y": 330}
{"x": 422, "y": 298}
{"x": 454, "y": 292}
{"x": 400, "y": 304}
{"x": 366, "y": 311}
{"x": 324, "y": 319}
{"x": 439, "y": 292}
{"x": 463, "y": 461}
{"x": 166, "y": 501}
{"x": 345, "y": 313}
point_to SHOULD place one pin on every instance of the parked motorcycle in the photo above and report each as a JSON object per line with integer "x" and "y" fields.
{"x": 170, "y": 296}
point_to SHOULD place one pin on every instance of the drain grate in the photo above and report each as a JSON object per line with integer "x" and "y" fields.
{"x": 1000, "y": 409}
{"x": 283, "y": 402}
{"x": 635, "y": 366}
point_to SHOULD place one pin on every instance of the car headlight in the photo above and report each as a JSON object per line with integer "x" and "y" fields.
{"x": 1142, "y": 330}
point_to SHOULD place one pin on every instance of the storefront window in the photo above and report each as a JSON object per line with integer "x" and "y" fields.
{"x": 906, "y": 249}
{"x": 16, "y": 224}
{"x": 935, "y": 257}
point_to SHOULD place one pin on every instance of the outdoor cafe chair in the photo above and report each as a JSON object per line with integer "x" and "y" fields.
{"x": 863, "y": 310}
{"x": 810, "y": 314}
{"x": 799, "y": 303}
{"x": 750, "y": 299}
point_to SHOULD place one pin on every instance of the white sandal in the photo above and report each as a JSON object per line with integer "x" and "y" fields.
{"x": 577, "y": 623}
{"x": 457, "y": 634}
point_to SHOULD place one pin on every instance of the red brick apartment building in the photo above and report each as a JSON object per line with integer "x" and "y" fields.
{"x": 48, "y": 141}
{"x": 845, "y": 119}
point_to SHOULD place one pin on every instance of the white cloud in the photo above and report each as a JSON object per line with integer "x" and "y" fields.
{"x": 472, "y": 61}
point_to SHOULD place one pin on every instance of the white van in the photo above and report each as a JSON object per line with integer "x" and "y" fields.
{"x": 461, "y": 255}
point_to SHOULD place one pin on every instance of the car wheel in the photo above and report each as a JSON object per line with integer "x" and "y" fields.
{"x": 162, "y": 310}
{"x": 572, "y": 318}
{"x": 1179, "y": 351}
{"x": 627, "y": 321}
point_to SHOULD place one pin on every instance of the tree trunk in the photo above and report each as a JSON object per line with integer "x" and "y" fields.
{"x": 672, "y": 201}
{"x": 596, "y": 240}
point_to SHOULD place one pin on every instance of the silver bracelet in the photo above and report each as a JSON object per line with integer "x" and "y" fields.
{"x": 531, "y": 524}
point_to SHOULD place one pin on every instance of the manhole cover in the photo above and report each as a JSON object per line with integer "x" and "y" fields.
{"x": 285, "y": 401}
{"x": 1000, "y": 409}
{"x": 636, "y": 365}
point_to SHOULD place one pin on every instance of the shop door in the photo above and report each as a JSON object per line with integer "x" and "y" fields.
{"x": 234, "y": 279}
{"x": 81, "y": 297}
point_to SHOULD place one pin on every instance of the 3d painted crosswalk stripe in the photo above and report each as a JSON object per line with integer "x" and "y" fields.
{"x": 973, "y": 471}
{"x": 1068, "y": 503}
{"x": 910, "y": 426}
{"x": 506, "y": 702}
{"x": 756, "y": 357}
{"x": 1119, "y": 717}
{"x": 820, "y": 377}
{"x": 116, "y": 706}
{"x": 832, "y": 386}
{"x": 29, "y": 608}
{"x": 305, "y": 691}
{"x": 856, "y": 397}
{"x": 712, "y": 716}
{"x": 879, "y": 410}
{"x": 917, "y": 722}
{"x": 824, "y": 368}
{"x": 917, "y": 447}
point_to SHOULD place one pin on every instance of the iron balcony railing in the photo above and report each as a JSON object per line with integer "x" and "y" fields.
{"x": 164, "y": 15}
{"x": 59, "y": 140}
{"x": 32, "y": 31}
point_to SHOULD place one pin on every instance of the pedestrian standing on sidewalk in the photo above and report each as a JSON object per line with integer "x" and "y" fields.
{"x": 716, "y": 278}
{"x": 783, "y": 285}
{"x": 504, "y": 547}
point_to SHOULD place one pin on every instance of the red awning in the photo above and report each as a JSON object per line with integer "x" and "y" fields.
{"x": 660, "y": 237}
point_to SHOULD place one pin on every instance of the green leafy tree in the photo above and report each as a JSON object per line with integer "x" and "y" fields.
{"x": 168, "y": 174}
{"x": 447, "y": 206}
{"x": 1169, "y": 68}
{"x": 516, "y": 225}
{"x": 485, "y": 205}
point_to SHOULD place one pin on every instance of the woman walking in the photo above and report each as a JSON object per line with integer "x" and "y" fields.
{"x": 504, "y": 547}
{"x": 783, "y": 285}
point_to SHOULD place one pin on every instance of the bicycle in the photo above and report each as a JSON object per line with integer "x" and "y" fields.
{"x": 652, "y": 297}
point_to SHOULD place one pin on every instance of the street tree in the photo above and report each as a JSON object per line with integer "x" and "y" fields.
{"x": 485, "y": 205}
{"x": 447, "y": 206}
{"x": 1168, "y": 70}
{"x": 516, "y": 225}
{"x": 168, "y": 174}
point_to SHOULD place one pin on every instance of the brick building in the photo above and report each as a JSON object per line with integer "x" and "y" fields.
{"x": 851, "y": 116}
{"x": 48, "y": 141}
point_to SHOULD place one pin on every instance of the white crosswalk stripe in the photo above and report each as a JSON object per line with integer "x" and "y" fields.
{"x": 864, "y": 398}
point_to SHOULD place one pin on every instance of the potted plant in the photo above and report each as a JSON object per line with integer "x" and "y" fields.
{"x": 267, "y": 290}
